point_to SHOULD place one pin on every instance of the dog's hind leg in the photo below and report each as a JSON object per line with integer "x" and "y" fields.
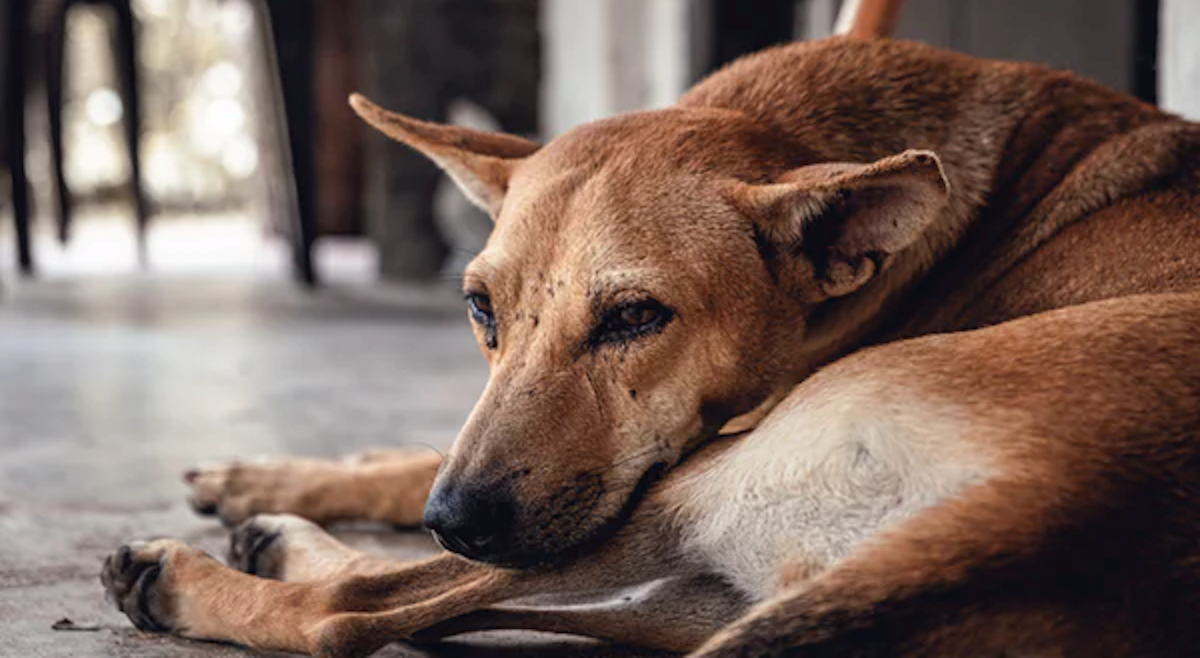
{"x": 388, "y": 486}
{"x": 968, "y": 577}
{"x": 1081, "y": 539}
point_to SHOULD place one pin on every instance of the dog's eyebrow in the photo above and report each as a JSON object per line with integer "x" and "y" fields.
{"x": 644, "y": 280}
{"x": 478, "y": 273}
{"x": 627, "y": 277}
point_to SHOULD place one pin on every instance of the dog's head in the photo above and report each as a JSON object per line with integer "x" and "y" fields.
{"x": 649, "y": 278}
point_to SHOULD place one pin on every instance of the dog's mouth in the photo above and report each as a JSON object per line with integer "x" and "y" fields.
{"x": 555, "y": 549}
{"x": 573, "y": 520}
{"x": 477, "y": 550}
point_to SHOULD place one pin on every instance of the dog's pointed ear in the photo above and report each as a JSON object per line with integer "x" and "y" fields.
{"x": 480, "y": 162}
{"x": 846, "y": 220}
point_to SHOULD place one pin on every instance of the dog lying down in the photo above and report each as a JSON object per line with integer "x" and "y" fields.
{"x": 863, "y": 348}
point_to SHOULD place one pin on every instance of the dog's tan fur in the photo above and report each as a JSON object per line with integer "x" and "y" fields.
{"x": 389, "y": 486}
{"x": 991, "y": 268}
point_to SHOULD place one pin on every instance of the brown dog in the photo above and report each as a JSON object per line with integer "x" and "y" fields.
{"x": 1012, "y": 469}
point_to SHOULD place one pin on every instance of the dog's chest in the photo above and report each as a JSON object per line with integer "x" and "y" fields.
{"x": 807, "y": 487}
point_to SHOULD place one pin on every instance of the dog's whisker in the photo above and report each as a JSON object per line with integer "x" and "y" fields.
{"x": 430, "y": 446}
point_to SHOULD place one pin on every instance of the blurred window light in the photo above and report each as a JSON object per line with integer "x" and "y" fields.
{"x": 200, "y": 77}
{"x": 236, "y": 18}
{"x": 154, "y": 8}
{"x": 222, "y": 79}
{"x": 240, "y": 157}
{"x": 95, "y": 159}
{"x": 220, "y": 121}
{"x": 200, "y": 15}
{"x": 164, "y": 166}
{"x": 103, "y": 107}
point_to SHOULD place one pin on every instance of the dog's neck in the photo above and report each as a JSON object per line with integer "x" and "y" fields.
{"x": 1007, "y": 135}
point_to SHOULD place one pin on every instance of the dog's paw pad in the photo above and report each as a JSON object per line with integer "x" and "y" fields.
{"x": 134, "y": 579}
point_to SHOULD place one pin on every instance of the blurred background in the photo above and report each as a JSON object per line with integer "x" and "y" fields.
{"x": 204, "y": 255}
{"x": 248, "y": 159}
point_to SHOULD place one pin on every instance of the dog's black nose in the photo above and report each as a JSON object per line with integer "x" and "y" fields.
{"x": 475, "y": 522}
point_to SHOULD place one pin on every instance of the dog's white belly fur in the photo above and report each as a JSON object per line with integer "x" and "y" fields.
{"x": 836, "y": 462}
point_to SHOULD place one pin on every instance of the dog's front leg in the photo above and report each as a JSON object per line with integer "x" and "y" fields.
{"x": 645, "y": 549}
{"x": 388, "y": 486}
{"x": 962, "y": 578}
{"x": 168, "y": 586}
{"x": 671, "y": 614}
{"x": 287, "y": 547}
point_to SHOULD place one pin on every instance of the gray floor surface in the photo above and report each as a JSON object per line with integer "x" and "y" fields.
{"x": 110, "y": 387}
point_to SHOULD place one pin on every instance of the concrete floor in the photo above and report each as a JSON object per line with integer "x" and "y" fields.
{"x": 111, "y": 386}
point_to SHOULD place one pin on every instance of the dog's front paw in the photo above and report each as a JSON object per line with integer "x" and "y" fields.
{"x": 138, "y": 578}
{"x": 237, "y": 491}
{"x": 233, "y": 492}
{"x": 287, "y": 547}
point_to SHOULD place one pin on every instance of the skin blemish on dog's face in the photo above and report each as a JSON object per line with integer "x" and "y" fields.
{"x": 632, "y": 394}
{"x": 536, "y": 319}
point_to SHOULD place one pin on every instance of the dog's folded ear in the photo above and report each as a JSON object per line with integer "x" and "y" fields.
{"x": 845, "y": 219}
{"x": 480, "y": 162}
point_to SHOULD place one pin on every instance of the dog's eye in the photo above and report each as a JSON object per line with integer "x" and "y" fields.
{"x": 629, "y": 321}
{"x": 639, "y": 315}
{"x": 480, "y": 307}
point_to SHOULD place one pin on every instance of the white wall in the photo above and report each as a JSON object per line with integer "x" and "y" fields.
{"x": 613, "y": 56}
{"x": 1179, "y": 57}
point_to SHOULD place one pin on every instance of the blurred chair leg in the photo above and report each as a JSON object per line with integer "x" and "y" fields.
{"x": 125, "y": 47}
{"x": 14, "y": 125}
{"x": 411, "y": 73}
{"x": 55, "y": 63}
{"x": 292, "y": 26}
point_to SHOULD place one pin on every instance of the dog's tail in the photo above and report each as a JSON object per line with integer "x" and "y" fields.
{"x": 868, "y": 19}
